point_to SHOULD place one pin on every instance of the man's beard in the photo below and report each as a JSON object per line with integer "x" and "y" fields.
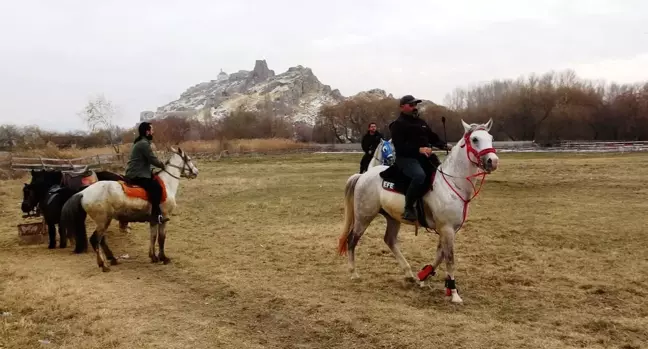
{"x": 149, "y": 137}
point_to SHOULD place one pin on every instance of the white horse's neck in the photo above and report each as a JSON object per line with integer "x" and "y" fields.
{"x": 171, "y": 174}
{"x": 459, "y": 170}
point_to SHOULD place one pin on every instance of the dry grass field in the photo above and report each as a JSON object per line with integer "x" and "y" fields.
{"x": 554, "y": 255}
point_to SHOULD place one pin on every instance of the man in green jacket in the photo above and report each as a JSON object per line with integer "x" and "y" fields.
{"x": 139, "y": 172}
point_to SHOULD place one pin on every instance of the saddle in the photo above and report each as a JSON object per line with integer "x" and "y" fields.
{"x": 394, "y": 180}
{"x": 135, "y": 191}
{"x": 79, "y": 180}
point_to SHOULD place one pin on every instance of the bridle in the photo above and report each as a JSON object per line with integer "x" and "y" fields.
{"x": 479, "y": 163}
{"x": 185, "y": 166}
{"x": 384, "y": 160}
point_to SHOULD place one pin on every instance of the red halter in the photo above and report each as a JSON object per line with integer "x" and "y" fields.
{"x": 478, "y": 154}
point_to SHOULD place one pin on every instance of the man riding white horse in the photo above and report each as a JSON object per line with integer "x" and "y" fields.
{"x": 138, "y": 170}
{"x": 412, "y": 138}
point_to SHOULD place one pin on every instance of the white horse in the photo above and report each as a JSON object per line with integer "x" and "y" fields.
{"x": 107, "y": 200}
{"x": 384, "y": 154}
{"x": 446, "y": 205}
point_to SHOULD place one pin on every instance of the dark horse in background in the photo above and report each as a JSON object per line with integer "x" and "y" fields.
{"x": 50, "y": 189}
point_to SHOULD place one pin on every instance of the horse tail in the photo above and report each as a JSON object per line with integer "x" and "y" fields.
{"x": 348, "y": 213}
{"x": 73, "y": 218}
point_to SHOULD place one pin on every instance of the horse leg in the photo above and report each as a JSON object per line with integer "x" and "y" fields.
{"x": 161, "y": 241}
{"x": 154, "y": 234}
{"x": 448, "y": 237}
{"x": 124, "y": 227}
{"x": 62, "y": 237}
{"x": 102, "y": 261}
{"x": 51, "y": 230}
{"x": 109, "y": 254}
{"x": 391, "y": 239}
{"x": 359, "y": 227}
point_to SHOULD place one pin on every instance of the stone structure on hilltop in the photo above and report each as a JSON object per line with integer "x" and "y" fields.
{"x": 296, "y": 93}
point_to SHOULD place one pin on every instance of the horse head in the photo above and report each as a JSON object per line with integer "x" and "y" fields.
{"x": 30, "y": 198}
{"x": 479, "y": 145}
{"x": 183, "y": 162}
{"x": 40, "y": 183}
{"x": 387, "y": 152}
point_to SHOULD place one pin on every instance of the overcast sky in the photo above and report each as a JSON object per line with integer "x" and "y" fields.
{"x": 141, "y": 54}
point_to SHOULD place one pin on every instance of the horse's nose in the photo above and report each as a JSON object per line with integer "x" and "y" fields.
{"x": 492, "y": 163}
{"x": 24, "y": 207}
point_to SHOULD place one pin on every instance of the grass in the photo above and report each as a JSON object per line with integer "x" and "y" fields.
{"x": 553, "y": 256}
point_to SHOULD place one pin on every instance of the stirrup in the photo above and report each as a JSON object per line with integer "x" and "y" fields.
{"x": 159, "y": 219}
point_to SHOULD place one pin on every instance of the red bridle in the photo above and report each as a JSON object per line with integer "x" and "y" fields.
{"x": 480, "y": 164}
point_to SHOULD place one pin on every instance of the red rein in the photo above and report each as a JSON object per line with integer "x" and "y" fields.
{"x": 478, "y": 155}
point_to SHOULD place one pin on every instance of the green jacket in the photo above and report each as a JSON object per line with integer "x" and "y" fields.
{"x": 141, "y": 159}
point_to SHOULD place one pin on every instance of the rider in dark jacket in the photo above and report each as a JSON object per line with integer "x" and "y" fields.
{"x": 370, "y": 142}
{"x": 412, "y": 138}
{"x": 138, "y": 170}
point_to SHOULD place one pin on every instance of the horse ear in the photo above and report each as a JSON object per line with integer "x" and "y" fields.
{"x": 489, "y": 124}
{"x": 173, "y": 149}
{"x": 465, "y": 126}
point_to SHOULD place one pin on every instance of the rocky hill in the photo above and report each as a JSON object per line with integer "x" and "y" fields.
{"x": 296, "y": 93}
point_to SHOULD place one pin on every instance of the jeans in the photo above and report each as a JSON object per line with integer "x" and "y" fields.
{"x": 153, "y": 190}
{"x": 412, "y": 168}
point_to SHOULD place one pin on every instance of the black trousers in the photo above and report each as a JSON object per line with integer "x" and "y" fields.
{"x": 154, "y": 191}
{"x": 364, "y": 163}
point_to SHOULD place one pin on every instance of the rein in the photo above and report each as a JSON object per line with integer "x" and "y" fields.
{"x": 182, "y": 169}
{"x": 480, "y": 164}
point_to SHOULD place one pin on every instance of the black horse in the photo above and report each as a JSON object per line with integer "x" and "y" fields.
{"x": 49, "y": 190}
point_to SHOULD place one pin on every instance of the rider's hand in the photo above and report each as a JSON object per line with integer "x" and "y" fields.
{"x": 425, "y": 151}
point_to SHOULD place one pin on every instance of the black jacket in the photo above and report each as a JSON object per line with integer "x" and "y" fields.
{"x": 370, "y": 142}
{"x": 411, "y": 133}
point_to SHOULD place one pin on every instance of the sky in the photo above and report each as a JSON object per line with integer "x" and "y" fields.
{"x": 142, "y": 54}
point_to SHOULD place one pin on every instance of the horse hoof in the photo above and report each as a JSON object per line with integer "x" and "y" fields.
{"x": 51, "y": 247}
{"x": 355, "y": 276}
{"x": 105, "y": 269}
{"x": 113, "y": 262}
{"x": 63, "y": 246}
{"x": 165, "y": 260}
{"x": 154, "y": 259}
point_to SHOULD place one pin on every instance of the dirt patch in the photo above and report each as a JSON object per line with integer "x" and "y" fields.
{"x": 553, "y": 256}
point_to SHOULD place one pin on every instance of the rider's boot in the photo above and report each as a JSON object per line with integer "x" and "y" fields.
{"x": 409, "y": 214}
{"x": 158, "y": 217}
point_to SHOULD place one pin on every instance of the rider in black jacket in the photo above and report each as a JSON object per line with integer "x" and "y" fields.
{"x": 370, "y": 142}
{"x": 412, "y": 138}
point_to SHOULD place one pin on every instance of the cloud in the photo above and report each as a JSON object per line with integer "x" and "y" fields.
{"x": 141, "y": 54}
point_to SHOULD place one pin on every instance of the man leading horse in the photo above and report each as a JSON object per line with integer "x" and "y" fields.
{"x": 412, "y": 138}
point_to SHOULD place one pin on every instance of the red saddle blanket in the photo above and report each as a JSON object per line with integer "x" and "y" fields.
{"x": 135, "y": 191}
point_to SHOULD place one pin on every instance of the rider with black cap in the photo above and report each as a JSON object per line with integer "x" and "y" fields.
{"x": 412, "y": 138}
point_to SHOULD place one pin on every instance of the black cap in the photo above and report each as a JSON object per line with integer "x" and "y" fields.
{"x": 409, "y": 99}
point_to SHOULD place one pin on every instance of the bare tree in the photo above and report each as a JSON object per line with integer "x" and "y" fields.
{"x": 100, "y": 114}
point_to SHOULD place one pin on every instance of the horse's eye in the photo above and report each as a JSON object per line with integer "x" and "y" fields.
{"x": 475, "y": 140}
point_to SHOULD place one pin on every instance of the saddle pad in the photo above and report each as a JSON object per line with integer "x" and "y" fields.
{"x": 135, "y": 191}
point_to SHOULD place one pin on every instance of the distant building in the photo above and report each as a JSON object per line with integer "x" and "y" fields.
{"x": 222, "y": 76}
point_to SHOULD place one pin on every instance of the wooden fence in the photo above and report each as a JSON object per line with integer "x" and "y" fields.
{"x": 39, "y": 163}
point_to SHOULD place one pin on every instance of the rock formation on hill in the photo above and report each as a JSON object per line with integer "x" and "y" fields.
{"x": 296, "y": 93}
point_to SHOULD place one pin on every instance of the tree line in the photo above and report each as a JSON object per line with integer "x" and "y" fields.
{"x": 544, "y": 108}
